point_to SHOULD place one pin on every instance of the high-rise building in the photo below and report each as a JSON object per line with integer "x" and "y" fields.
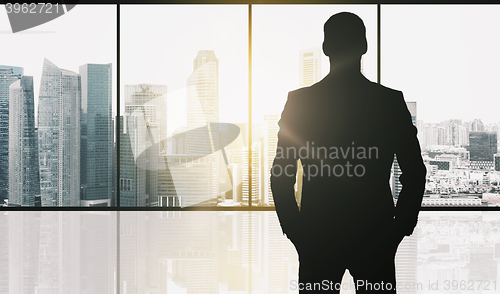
{"x": 59, "y": 136}
{"x": 149, "y": 101}
{"x": 24, "y": 183}
{"x": 96, "y": 133}
{"x": 204, "y": 137}
{"x": 132, "y": 182}
{"x": 256, "y": 174}
{"x": 477, "y": 126}
{"x": 310, "y": 66}
{"x": 396, "y": 170}
{"x": 8, "y": 75}
{"x": 203, "y": 103}
{"x": 456, "y": 133}
{"x": 270, "y": 145}
{"x": 482, "y": 146}
{"x": 144, "y": 128}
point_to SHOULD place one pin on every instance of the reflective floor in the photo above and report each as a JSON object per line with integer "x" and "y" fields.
{"x": 222, "y": 252}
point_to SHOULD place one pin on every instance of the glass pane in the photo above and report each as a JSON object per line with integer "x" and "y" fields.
{"x": 444, "y": 59}
{"x": 245, "y": 252}
{"x": 187, "y": 252}
{"x": 57, "y": 103}
{"x": 184, "y": 79}
{"x": 58, "y": 251}
{"x": 287, "y": 55}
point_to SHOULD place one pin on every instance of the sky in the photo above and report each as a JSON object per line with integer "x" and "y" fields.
{"x": 446, "y": 58}
{"x": 280, "y": 32}
{"x": 173, "y": 34}
{"x": 86, "y": 34}
{"x": 158, "y": 44}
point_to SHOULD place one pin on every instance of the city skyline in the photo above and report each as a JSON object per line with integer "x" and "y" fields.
{"x": 217, "y": 37}
{"x": 220, "y": 28}
{"x": 65, "y": 42}
{"x": 271, "y": 63}
{"x": 68, "y": 45}
{"x": 232, "y": 251}
{"x": 202, "y": 107}
{"x": 72, "y": 136}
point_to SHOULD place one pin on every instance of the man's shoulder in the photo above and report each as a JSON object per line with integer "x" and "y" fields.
{"x": 387, "y": 90}
{"x": 375, "y": 89}
{"x": 300, "y": 92}
{"x": 305, "y": 93}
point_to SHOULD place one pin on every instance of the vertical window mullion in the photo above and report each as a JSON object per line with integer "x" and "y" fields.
{"x": 378, "y": 43}
{"x": 250, "y": 121}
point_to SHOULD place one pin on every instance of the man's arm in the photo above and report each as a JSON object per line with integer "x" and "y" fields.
{"x": 284, "y": 169}
{"x": 413, "y": 176}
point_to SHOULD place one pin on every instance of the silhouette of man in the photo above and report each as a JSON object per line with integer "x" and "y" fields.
{"x": 346, "y": 130}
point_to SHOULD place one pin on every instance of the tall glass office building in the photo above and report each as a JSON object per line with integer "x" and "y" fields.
{"x": 143, "y": 129}
{"x": 203, "y": 102}
{"x": 96, "y": 135}
{"x": 23, "y": 149}
{"x": 59, "y": 136}
{"x": 8, "y": 75}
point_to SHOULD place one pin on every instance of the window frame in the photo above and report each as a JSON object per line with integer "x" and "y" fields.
{"x": 250, "y": 207}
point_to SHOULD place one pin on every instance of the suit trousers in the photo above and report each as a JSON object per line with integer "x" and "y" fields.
{"x": 369, "y": 256}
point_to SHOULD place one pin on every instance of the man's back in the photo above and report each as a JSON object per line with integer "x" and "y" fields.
{"x": 346, "y": 130}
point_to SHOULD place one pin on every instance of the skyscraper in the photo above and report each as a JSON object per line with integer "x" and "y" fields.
{"x": 256, "y": 174}
{"x": 396, "y": 170}
{"x": 59, "y": 136}
{"x": 8, "y": 75}
{"x": 310, "y": 66}
{"x": 270, "y": 145}
{"x": 477, "y": 126}
{"x": 144, "y": 127}
{"x": 482, "y": 146}
{"x": 203, "y": 113}
{"x": 23, "y": 146}
{"x": 96, "y": 133}
{"x": 203, "y": 103}
{"x": 132, "y": 182}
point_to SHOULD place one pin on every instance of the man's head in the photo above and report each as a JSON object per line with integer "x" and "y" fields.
{"x": 345, "y": 36}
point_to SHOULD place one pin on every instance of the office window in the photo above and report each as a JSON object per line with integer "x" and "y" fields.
{"x": 184, "y": 82}
{"x": 287, "y": 54}
{"x": 185, "y": 131}
{"x": 444, "y": 59}
{"x": 57, "y": 108}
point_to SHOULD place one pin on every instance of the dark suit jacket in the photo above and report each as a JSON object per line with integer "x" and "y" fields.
{"x": 359, "y": 125}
